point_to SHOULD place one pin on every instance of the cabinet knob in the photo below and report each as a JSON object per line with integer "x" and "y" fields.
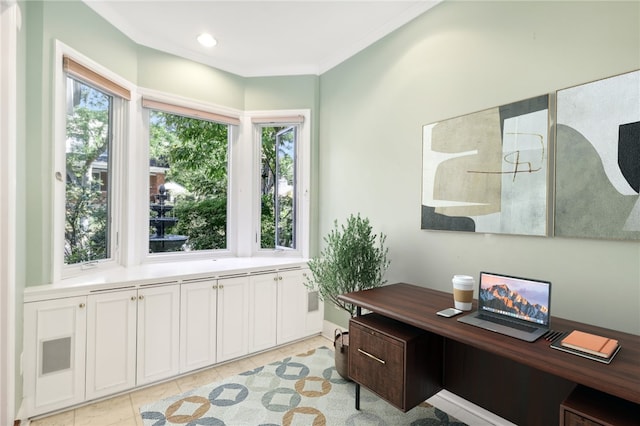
{"x": 81, "y": 305}
{"x": 280, "y": 278}
{"x": 141, "y": 297}
{"x": 133, "y": 298}
{"x": 220, "y": 287}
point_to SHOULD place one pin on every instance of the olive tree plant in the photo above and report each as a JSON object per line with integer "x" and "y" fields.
{"x": 354, "y": 258}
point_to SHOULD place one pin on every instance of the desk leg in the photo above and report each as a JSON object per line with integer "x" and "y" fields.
{"x": 358, "y": 313}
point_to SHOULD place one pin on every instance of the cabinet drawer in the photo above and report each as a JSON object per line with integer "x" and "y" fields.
{"x": 572, "y": 419}
{"x": 377, "y": 362}
{"x": 589, "y": 407}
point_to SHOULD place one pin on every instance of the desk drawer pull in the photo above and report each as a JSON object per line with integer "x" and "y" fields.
{"x": 371, "y": 356}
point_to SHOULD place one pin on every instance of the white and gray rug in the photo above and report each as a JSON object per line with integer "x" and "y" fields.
{"x": 301, "y": 390}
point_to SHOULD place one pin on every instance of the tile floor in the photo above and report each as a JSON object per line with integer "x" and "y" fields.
{"x": 123, "y": 410}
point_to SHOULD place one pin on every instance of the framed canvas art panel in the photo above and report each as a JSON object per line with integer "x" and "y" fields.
{"x": 598, "y": 159}
{"x": 488, "y": 171}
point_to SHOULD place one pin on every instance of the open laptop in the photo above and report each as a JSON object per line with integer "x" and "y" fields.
{"x": 516, "y": 307}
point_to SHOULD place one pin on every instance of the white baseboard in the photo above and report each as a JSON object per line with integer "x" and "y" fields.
{"x": 329, "y": 329}
{"x": 474, "y": 409}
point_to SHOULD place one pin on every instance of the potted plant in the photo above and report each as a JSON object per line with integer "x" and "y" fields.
{"x": 353, "y": 259}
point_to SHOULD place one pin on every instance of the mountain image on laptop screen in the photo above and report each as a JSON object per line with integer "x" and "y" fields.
{"x": 503, "y": 299}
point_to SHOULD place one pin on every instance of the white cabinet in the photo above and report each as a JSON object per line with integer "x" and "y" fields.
{"x": 198, "y": 310}
{"x": 82, "y": 348}
{"x": 233, "y": 315}
{"x": 132, "y": 338}
{"x": 111, "y": 342}
{"x": 282, "y": 309}
{"x": 54, "y": 353}
{"x": 158, "y": 333}
{"x": 263, "y": 296}
{"x": 104, "y": 341}
{"x": 300, "y": 313}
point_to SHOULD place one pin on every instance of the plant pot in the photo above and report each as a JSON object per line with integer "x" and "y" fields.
{"x": 341, "y": 346}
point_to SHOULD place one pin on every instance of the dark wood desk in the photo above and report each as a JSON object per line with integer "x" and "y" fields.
{"x": 522, "y": 382}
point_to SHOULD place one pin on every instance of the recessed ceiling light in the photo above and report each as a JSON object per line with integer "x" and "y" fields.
{"x": 207, "y": 40}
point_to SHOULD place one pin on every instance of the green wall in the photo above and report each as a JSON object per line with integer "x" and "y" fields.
{"x": 171, "y": 74}
{"x": 459, "y": 58}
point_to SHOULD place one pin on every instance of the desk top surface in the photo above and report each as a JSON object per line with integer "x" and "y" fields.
{"x": 417, "y": 306}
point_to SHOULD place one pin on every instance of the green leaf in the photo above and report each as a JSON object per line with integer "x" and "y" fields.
{"x": 353, "y": 259}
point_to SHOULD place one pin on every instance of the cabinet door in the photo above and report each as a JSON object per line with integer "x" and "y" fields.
{"x": 158, "y": 333}
{"x": 198, "y": 307}
{"x": 111, "y": 342}
{"x": 233, "y": 314}
{"x": 292, "y": 306}
{"x": 54, "y": 351}
{"x": 263, "y": 297}
{"x": 314, "y": 317}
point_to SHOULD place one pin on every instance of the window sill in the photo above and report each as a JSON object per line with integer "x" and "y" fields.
{"x": 159, "y": 273}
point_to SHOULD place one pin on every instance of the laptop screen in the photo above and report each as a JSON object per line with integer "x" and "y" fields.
{"x": 521, "y": 298}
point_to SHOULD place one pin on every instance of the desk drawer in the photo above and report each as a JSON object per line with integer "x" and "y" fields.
{"x": 377, "y": 362}
{"x": 589, "y": 407}
{"x": 572, "y": 419}
{"x": 400, "y": 363}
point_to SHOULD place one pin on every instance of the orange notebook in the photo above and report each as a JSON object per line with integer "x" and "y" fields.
{"x": 590, "y": 343}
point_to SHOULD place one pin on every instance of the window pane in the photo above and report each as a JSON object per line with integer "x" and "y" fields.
{"x": 88, "y": 177}
{"x": 278, "y": 188}
{"x": 187, "y": 183}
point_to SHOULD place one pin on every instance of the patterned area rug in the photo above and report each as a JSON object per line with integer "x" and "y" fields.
{"x": 301, "y": 390}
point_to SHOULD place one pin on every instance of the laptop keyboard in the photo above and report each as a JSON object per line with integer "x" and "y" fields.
{"x": 507, "y": 323}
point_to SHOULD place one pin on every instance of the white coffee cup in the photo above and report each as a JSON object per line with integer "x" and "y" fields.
{"x": 463, "y": 286}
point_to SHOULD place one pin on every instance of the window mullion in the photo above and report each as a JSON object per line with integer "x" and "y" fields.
{"x": 119, "y": 175}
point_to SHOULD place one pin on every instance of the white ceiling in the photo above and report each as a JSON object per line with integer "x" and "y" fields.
{"x": 261, "y": 37}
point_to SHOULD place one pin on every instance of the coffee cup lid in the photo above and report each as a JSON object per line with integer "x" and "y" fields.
{"x": 463, "y": 277}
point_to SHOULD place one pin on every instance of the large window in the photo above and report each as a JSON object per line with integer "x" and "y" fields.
{"x": 278, "y": 187}
{"x": 95, "y": 107}
{"x": 188, "y": 181}
{"x": 283, "y": 183}
{"x": 146, "y": 176}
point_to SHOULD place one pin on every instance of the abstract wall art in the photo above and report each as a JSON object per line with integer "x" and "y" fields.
{"x": 598, "y": 159}
{"x": 488, "y": 171}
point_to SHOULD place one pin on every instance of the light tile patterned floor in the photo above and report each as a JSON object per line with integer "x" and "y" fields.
{"x": 123, "y": 410}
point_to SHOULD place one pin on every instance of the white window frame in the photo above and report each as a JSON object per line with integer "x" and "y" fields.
{"x": 232, "y": 193}
{"x": 9, "y": 12}
{"x": 122, "y": 138}
{"x": 303, "y": 180}
{"x": 129, "y": 188}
